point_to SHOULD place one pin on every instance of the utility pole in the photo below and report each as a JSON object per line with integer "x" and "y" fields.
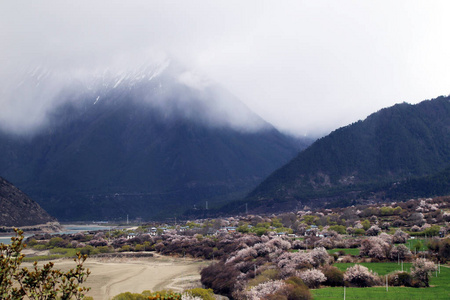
{"x": 246, "y": 209}
{"x": 206, "y": 205}
{"x": 127, "y": 219}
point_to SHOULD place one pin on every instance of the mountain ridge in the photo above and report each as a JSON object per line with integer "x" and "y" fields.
{"x": 18, "y": 210}
{"x": 391, "y": 145}
{"x": 149, "y": 150}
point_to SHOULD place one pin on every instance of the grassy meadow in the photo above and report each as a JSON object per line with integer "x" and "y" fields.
{"x": 439, "y": 286}
{"x": 350, "y": 251}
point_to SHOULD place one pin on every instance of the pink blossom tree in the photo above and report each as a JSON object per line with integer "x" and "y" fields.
{"x": 421, "y": 270}
{"x": 262, "y": 290}
{"x": 361, "y": 276}
{"x": 312, "y": 277}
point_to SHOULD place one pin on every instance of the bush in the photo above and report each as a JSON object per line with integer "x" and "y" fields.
{"x": 360, "y": 276}
{"x": 400, "y": 237}
{"x": 130, "y": 296}
{"x": 205, "y": 294}
{"x": 57, "y": 242}
{"x": 399, "y": 278}
{"x": 105, "y": 249}
{"x": 444, "y": 249}
{"x": 432, "y": 231}
{"x": 421, "y": 270}
{"x": 220, "y": 277}
{"x": 164, "y": 295}
{"x": 312, "y": 278}
{"x": 46, "y": 282}
{"x": 335, "y": 277}
{"x": 89, "y": 250}
{"x": 359, "y": 231}
{"x": 266, "y": 275}
{"x": 294, "y": 289}
{"x": 263, "y": 290}
{"x": 373, "y": 230}
{"x": 400, "y": 252}
{"x": 125, "y": 248}
{"x": 139, "y": 247}
{"x": 338, "y": 228}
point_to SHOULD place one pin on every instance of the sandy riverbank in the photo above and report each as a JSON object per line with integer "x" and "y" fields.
{"x": 113, "y": 276}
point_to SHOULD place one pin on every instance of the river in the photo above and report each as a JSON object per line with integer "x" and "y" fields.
{"x": 67, "y": 229}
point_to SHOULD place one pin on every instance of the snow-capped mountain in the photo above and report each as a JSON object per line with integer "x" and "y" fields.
{"x": 149, "y": 142}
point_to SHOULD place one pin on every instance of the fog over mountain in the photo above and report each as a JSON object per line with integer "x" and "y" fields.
{"x": 149, "y": 140}
{"x": 307, "y": 67}
{"x": 163, "y": 84}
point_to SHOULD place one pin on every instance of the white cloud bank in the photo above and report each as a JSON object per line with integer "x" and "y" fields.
{"x": 305, "y": 66}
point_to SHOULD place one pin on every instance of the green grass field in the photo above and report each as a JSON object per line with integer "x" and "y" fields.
{"x": 351, "y": 251}
{"x": 440, "y": 286}
{"x": 55, "y": 253}
{"x": 380, "y": 268}
{"x": 411, "y": 243}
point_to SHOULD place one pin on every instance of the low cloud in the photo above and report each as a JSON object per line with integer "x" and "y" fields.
{"x": 307, "y": 67}
{"x": 154, "y": 80}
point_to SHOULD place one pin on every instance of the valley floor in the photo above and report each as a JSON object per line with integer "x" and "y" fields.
{"x": 112, "y": 276}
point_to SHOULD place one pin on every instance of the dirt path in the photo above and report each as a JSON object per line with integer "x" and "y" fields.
{"x": 110, "y": 277}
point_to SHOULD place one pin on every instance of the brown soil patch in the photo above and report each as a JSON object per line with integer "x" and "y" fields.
{"x": 112, "y": 276}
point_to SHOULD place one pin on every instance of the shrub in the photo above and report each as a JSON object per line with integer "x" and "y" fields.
{"x": 57, "y": 242}
{"x": 421, "y": 270}
{"x": 400, "y": 237}
{"x": 373, "y": 230}
{"x": 335, "y": 277}
{"x": 444, "y": 249}
{"x": 320, "y": 256}
{"x": 147, "y": 295}
{"x": 365, "y": 224}
{"x": 261, "y": 291}
{"x": 89, "y": 250}
{"x": 375, "y": 247}
{"x": 139, "y": 247}
{"x": 359, "y": 231}
{"x": 45, "y": 282}
{"x": 360, "y": 276}
{"x": 205, "y": 294}
{"x": 338, "y": 228}
{"x": 399, "y": 278}
{"x": 220, "y": 277}
{"x": 130, "y": 296}
{"x": 163, "y": 295}
{"x": 266, "y": 275}
{"x": 432, "y": 231}
{"x": 312, "y": 278}
{"x": 295, "y": 289}
{"x": 400, "y": 252}
{"x": 105, "y": 249}
{"x": 125, "y": 248}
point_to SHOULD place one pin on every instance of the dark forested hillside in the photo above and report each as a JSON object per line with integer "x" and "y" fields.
{"x": 17, "y": 209}
{"x": 122, "y": 156}
{"x": 398, "y": 143}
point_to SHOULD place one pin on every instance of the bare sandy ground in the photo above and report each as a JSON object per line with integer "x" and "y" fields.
{"x": 112, "y": 276}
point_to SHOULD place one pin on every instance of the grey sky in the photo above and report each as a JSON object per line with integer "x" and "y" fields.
{"x": 307, "y": 67}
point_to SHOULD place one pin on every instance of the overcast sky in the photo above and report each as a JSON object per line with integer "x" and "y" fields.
{"x": 308, "y": 67}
